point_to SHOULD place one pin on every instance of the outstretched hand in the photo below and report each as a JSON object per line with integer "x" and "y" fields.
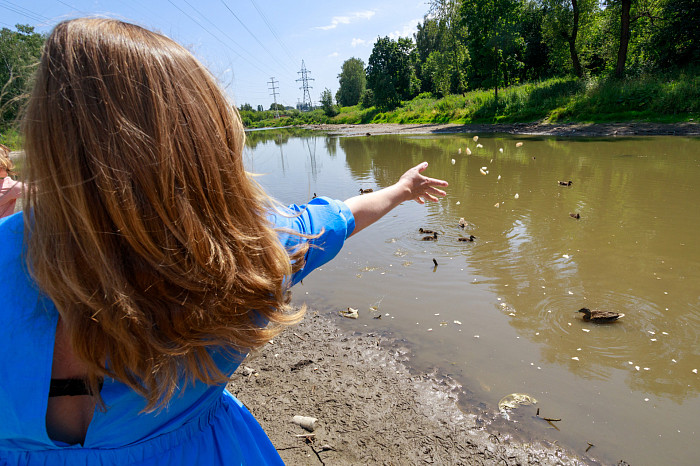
{"x": 419, "y": 187}
{"x": 369, "y": 208}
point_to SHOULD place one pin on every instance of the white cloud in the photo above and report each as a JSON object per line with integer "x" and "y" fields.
{"x": 333, "y": 55}
{"x": 408, "y": 29}
{"x": 352, "y": 17}
{"x": 361, "y": 42}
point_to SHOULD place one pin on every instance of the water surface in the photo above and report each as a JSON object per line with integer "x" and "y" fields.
{"x": 499, "y": 314}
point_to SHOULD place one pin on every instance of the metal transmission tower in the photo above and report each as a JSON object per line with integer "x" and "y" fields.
{"x": 306, "y": 99}
{"x": 274, "y": 94}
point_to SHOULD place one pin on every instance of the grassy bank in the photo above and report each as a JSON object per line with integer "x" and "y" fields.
{"x": 663, "y": 99}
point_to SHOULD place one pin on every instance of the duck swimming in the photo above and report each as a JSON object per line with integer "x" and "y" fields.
{"x": 368, "y": 190}
{"x": 471, "y": 238}
{"x": 427, "y": 232}
{"x": 430, "y": 238}
{"x": 462, "y": 222}
{"x": 599, "y": 317}
{"x": 575, "y": 215}
{"x": 565, "y": 183}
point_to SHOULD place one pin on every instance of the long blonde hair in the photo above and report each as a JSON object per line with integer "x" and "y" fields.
{"x": 145, "y": 229}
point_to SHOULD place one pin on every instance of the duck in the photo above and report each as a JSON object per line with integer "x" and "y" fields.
{"x": 575, "y": 215}
{"x": 471, "y": 238}
{"x": 599, "y": 317}
{"x": 430, "y": 238}
{"x": 462, "y": 222}
{"x": 427, "y": 232}
{"x": 565, "y": 183}
{"x": 365, "y": 191}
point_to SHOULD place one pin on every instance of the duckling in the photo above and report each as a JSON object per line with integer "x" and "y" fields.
{"x": 575, "y": 215}
{"x": 462, "y": 222}
{"x": 427, "y": 232}
{"x": 365, "y": 191}
{"x": 430, "y": 238}
{"x": 470, "y": 239}
{"x": 599, "y": 317}
{"x": 565, "y": 183}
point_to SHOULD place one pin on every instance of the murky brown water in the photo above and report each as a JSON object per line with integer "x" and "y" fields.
{"x": 499, "y": 314}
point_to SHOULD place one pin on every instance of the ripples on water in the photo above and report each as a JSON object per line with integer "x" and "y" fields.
{"x": 516, "y": 290}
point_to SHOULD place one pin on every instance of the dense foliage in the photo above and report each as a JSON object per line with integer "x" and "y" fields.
{"x": 353, "y": 82}
{"x": 20, "y": 51}
{"x": 464, "y": 45}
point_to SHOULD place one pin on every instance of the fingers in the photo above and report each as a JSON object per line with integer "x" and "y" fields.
{"x": 422, "y": 166}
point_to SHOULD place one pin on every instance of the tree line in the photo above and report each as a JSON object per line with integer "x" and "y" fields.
{"x": 462, "y": 45}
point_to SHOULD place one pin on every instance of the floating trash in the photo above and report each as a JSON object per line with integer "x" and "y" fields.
{"x": 516, "y": 195}
{"x": 458, "y": 322}
{"x": 459, "y": 151}
{"x": 453, "y": 161}
{"x": 469, "y": 152}
{"x": 350, "y": 313}
{"x": 476, "y": 138}
{"x": 458, "y": 203}
{"x": 499, "y": 177}
{"x": 519, "y": 144}
{"x": 497, "y": 205}
{"x": 479, "y": 146}
{"x": 514, "y": 400}
{"x": 500, "y": 149}
{"x": 575, "y": 358}
{"x": 482, "y": 171}
{"x": 308, "y": 423}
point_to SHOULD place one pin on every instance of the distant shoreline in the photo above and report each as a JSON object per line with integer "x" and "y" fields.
{"x": 531, "y": 129}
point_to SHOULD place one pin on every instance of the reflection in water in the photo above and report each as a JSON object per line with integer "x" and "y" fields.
{"x": 517, "y": 288}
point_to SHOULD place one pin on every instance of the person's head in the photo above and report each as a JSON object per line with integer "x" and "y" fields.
{"x": 146, "y": 230}
{"x": 6, "y": 165}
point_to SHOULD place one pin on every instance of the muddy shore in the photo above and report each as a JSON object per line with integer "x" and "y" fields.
{"x": 370, "y": 407}
{"x": 535, "y": 129}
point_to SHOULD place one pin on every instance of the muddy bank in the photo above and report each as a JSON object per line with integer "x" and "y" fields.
{"x": 370, "y": 408}
{"x": 564, "y": 129}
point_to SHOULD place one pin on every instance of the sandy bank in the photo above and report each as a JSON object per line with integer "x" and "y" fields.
{"x": 564, "y": 129}
{"x": 370, "y": 408}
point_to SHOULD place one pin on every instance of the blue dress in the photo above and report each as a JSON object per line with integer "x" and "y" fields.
{"x": 203, "y": 424}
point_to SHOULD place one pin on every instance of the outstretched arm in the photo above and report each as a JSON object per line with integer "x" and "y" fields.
{"x": 368, "y": 208}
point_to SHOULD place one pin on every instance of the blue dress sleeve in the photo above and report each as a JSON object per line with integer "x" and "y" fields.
{"x": 330, "y": 218}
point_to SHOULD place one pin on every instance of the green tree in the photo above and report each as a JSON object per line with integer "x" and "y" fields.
{"x": 391, "y": 72}
{"x": 20, "y": 50}
{"x": 353, "y": 82}
{"x": 562, "y": 22}
{"x": 494, "y": 41}
{"x": 327, "y": 103}
{"x": 675, "y": 41}
{"x": 274, "y": 106}
{"x": 246, "y": 107}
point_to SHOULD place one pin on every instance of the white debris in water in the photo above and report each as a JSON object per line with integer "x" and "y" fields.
{"x": 651, "y": 332}
{"x": 519, "y": 144}
{"x": 578, "y": 349}
{"x": 569, "y": 324}
{"x": 630, "y": 362}
{"x": 673, "y": 360}
{"x": 469, "y": 152}
{"x": 497, "y": 205}
{"x": 458, "y": 322}
{"x": 652, "y": 339}
{"x": 565, "y": 256}
{"x": 585, "y": 330}
{"x": 695, "y": 371}
{"x": 575, "y": 358}
{"x": 499, "y": 177}
{"x": 430, "y": 329}
{"x": 483, "y": 172}
{"x": 664, "y": 333}
{"x": 479, "y": 146}
{"x": 500, "y": 150}
{"x": 476, "y": 138}
{"x": 459, "y": 151}
{"x": 646, "y": 368}
{"x": 636, "y": 367}
{"x": 512, "y": 314}
{"x": 476, "y": 336}
{"x": 458, "y": 203}
{"x": 646, "y": 399}
{"x": 516, "y": 195}
{"x": 454, "y": 161}
{"x": 571, "y": 292}
{"x": 437, "y": 314}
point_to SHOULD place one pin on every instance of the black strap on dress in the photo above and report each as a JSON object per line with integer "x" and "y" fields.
{"x": 70, "y": 387}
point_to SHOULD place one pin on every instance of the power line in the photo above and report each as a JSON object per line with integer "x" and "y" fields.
{"x": 217, "y": 38}
{"x": 305, "y": 86}
{"x": 274, "y": 95}
{"x": 272, "y": 30}
{"x": 218, "y": 29}
{"x": 25, "y": 12}
{"x": 252, "y": 34}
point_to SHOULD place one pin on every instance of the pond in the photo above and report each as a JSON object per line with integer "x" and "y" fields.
{"x": 500, "y": 314}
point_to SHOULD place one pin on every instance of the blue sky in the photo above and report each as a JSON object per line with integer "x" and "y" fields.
{"x": 246, "y": 42}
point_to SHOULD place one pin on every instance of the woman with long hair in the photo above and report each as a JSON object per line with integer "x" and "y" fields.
{"x": 147, "y": 262}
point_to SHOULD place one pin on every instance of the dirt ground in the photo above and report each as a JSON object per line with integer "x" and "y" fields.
{"x": 370, "y": 408}
{"x": 564, "y": 129}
